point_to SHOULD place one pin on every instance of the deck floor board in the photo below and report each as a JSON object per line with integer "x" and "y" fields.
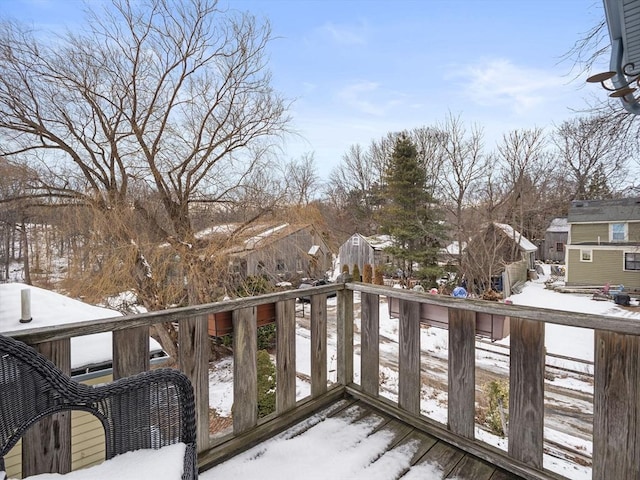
{"x": 388, "y": 444}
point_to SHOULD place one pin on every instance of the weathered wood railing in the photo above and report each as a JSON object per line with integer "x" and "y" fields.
{"x": 616, "y": 442}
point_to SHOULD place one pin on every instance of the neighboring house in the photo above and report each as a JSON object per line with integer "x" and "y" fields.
{"x": 90, "y": 353}
{"x": 555, "y": 239}
{"x": 362, "y": 250}
{"x": 450, "y": 255}
{"x": 498, "y": 257}
{"x": 280, "y": 252}
{"x": 604, "y": 243}
{"x": 524, "y": 249}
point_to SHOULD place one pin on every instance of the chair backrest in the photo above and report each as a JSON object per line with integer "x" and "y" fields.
{"x": 149, "y": 410}
{"x": 31, "y": 387}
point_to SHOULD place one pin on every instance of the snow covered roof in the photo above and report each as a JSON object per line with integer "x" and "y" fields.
{"x": 453, "y": 248}
{"x": 560, "y": 224}
{"x": 380, "y": 241}
{"x": 524, "y": 244}
{"x": 50, "y": 309}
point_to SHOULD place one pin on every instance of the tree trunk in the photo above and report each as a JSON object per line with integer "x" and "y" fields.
{"x": 25, "y": 254}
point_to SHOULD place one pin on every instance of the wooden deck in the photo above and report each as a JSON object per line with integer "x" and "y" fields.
{"x": 343, "y": 335}
{"x": 394, "y": 450}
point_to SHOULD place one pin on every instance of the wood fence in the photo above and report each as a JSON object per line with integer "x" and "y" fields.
{"x": 616, "y": 424}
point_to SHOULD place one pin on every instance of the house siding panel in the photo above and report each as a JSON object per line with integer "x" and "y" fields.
{"x": 589, "y": 233}
{"x": 605, "y": 267}
{"x": 634, "y": 232}
{"x": 291, "y": 251}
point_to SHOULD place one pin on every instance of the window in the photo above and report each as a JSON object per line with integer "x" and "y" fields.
{"x": 632, "y": 261}
{"x": 355, "y": 241}
{"x": 618, "y": 232}
{"x": 585, "y": 256}
{"x": 559, "y": 247}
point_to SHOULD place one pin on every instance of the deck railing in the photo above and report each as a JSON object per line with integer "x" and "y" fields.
{"x": 616, "y": 415}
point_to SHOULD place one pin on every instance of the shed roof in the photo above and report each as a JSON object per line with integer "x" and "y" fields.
{"x": 50, "y": 308}
{"x": 590, "y": 211}
{"x": 560, "y": 224}
{"x": 512, "y": 233}
{"x": 379, "y": 242}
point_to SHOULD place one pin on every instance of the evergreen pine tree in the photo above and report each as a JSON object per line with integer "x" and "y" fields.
{"x": 409, "y": 212}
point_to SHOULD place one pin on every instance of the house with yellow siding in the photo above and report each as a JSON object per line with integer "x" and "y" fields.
{"x": 604, "y": 243}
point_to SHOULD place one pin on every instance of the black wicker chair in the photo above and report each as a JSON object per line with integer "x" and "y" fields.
{"x": 149, "y": 410}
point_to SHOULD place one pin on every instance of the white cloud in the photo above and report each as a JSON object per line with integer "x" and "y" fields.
{"x": 357, "y": 96}
{"x": 346, "y": 34}
{"x": 499, "y": 82}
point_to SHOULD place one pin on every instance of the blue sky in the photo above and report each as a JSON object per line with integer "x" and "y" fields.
{"x": 357, "y": 70}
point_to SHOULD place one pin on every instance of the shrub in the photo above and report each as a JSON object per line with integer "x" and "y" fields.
{"x": 497, "y": 416}
{"x": 378, "y": 275}
{"x": 267, "y": 337}
{"x": 356, "y": 273}
{"x": 367, "y": 273}
{"x": 254, "y": 285}
{"x": 345, "y": 269}
{"x": 266, "y": 384}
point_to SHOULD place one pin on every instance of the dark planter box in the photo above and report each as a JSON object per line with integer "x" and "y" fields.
{"x": 495, "y": 327}
{"x": 220, "y": 324}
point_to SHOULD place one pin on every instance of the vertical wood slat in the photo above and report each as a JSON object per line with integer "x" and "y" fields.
{"x": 46, "y": 446}
{"x": 345, "y": 336}
{"x": 409, "y": 357}
{"x": 526, "y": 391}
{"x": 194, "y": 362}
{"x": 616, "y": 406}
{"x": 245, "y": 370}
{"x": 462, "y": 372}
{"x": 285, "y": 355}
{"x": 318, "y": 344}
{"x": 370, "y": 343}
{"x": 130, "y": 351}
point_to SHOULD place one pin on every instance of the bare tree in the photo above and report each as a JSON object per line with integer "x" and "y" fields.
{"x": 352, "y": 189}
{"x": 168, "y": 93}
{"x": 526, "y": 174}
{"x": 463, "y": 167}
{"x": 594, "y": 145}
{"x": 429, "y": 142}
{"x": 174, "y": 95}
{"x": 301, "y": 177}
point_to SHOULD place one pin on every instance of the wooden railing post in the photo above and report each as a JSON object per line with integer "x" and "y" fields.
{"x": 370, "y": 343}
{"x": 462, "y": 372}
{"x": 130, "y": 351}
{"x": 526, "y": 391}
{"x": 194, "y": 362}
{"x": 285, "y": 355}
{"x": 616, "y": 406}
{"x": 345, "y": 336}
{"x": 245, "y": 370}
{"x": 409, "y": 357}
{"x": 318, "y": 344}
{"x": 46, "y": 446}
